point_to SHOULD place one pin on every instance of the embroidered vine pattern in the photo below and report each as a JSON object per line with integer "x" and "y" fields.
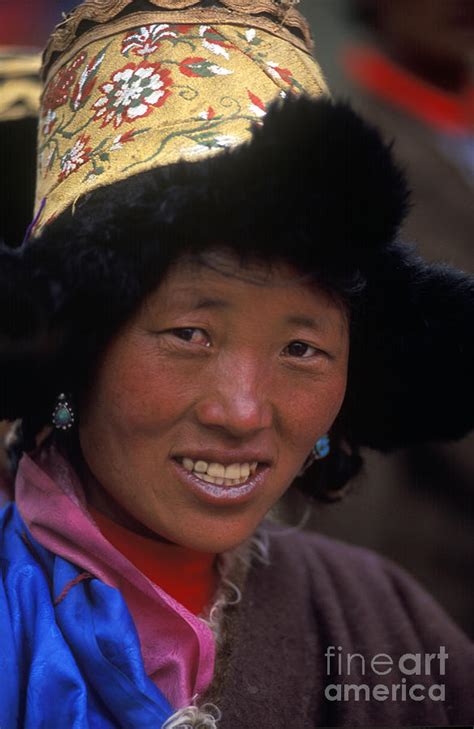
{"x": 140, "y": 87}
{"x": 98, "y": 12}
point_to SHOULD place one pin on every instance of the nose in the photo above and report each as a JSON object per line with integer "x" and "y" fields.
{"x": 237, "y": 400}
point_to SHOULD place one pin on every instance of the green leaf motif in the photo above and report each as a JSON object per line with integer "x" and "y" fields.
{"x": 255, "y": 41}
{"x": 206, "y": 139}
{"x": 202, "y": 68}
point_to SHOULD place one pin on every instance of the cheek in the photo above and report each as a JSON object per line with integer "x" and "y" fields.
{"x": 311, "y": 411}
{"x": 135, "y": 395}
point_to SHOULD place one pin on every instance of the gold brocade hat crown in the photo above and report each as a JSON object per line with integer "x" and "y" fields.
{"x": 128, "y": 89}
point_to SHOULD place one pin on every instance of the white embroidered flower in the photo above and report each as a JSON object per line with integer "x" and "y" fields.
{"x": 132, "y": 93}
{"x": 75, "y": 157}
{"x": 146, "y": 39}
{"x": 250, "y": 34}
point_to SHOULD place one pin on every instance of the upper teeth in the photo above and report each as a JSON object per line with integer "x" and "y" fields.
{"x": 220, "y": 474}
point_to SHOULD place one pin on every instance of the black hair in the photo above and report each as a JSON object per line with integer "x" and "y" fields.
{"x": 316, "y": 188}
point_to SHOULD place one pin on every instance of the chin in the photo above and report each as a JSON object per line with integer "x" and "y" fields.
{"x": 215, "y": 535}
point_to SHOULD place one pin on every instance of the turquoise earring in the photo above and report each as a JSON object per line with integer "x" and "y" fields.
{"x": 63, "y": 414}
{"x": 322, "y": 448}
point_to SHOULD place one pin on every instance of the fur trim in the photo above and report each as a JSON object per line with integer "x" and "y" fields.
{"x": 192, "y": 717}
{"x": 315, "y": 187}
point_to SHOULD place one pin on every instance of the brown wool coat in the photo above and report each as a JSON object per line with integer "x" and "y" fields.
{"x": 315, "y": 593}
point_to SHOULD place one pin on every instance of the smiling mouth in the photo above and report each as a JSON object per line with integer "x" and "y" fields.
{"x": 235, "y": 474}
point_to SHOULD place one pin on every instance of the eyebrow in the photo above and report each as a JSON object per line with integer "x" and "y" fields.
{"x": 210, "y": 303}
{"x": 304, "y": 321}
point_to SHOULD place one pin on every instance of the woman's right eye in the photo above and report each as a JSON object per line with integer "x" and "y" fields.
{"x": 193, "y": 335}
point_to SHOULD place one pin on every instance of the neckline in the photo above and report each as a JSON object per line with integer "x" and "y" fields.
{"x": 189, "y": 576}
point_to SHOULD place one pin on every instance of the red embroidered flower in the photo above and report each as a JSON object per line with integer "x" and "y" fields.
{"x": 75, "y": 157}
{"x": 57, "y": 92}
{"x": 132, "y": 92}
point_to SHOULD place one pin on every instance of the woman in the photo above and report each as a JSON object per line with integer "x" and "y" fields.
{"x": 207, "y": 327}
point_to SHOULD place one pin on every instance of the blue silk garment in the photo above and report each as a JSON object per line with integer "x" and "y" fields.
{"x": 72, "y": 662}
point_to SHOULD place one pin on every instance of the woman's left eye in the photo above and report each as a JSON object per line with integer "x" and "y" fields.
{"x": 301, "y": 350}
{"x": 193, "y": 335}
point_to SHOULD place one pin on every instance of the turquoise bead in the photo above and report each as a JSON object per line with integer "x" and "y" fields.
{"x": 63, "y": 416}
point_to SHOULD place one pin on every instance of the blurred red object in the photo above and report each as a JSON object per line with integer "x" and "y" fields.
{"x": 445, "y": 111}
{"x": 27, "y": 24}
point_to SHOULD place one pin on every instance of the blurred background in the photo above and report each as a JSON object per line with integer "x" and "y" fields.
{"x": 407, "y": 66}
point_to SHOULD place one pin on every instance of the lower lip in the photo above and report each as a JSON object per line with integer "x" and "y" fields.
{"x": 215, "y": 494}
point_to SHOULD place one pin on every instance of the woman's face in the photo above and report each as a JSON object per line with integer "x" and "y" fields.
{"x": 220, "y": 367}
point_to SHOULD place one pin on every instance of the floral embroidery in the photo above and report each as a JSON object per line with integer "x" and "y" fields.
{"x": 46, "y": 159}
{"x": 75, "y": 157}
{"x": 48, "y": 122}
{"x": 200, "y": 67}
{"x": 128, "y": 136}
{"x": 250, "y": 35}
{"x": 146, "y": 39}
{"x": 214, "y": 42}
{"x": 208, "y": 115}
{"x": 87, "y": 80}
{"x": 132, "y": 93}
{"x": 57, "y": 92}
{"x": 257, "y": 106}
{"x": 208, "y": 140}
{"x": 282, "y": 74}
{"x": 96, "y": 103}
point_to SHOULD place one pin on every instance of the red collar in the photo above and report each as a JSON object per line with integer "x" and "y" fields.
{"x": 446, "y": 112}
{"x": 188, "y": 576}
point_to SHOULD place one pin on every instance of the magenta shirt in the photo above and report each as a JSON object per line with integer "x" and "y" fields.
{"x": 178, "y": 648}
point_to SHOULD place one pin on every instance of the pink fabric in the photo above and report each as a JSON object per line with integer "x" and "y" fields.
{"x": 178, "y": 648}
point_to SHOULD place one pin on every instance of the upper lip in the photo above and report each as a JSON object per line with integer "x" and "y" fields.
{"x": 225, "y": 457}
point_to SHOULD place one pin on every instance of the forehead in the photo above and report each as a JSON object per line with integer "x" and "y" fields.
{"x": 219, "y": 281}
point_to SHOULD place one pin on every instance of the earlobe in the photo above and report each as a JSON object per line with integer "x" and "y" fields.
{"x": 321, "y": 450}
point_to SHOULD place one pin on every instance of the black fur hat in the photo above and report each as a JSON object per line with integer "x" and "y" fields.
{"x": 315, "y": 187}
